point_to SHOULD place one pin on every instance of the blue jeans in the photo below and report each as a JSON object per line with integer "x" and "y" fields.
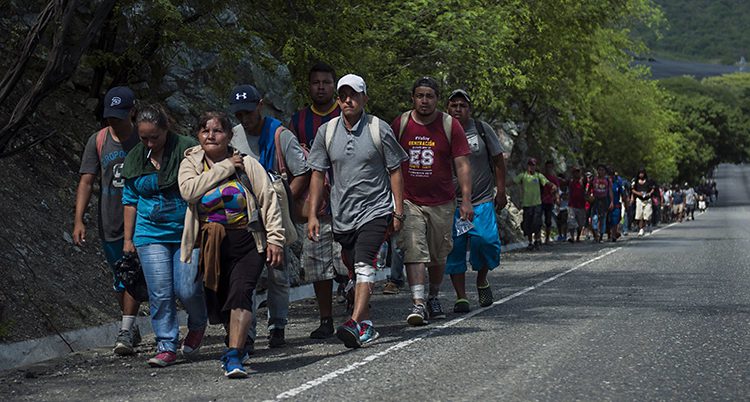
{"x": 277, "y": 298}
{"x": 397, "y": 264}
{"x": 169, "y": 279}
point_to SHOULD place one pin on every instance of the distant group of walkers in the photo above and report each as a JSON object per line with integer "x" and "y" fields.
{"x": 209, "y": 214}
{"x": 603, "y": 202}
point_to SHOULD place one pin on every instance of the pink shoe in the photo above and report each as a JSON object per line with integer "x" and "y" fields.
{"x": 163, "y": 359}
{"x": 192, "y": 341}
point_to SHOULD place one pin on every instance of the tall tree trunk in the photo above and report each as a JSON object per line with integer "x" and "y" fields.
{"x": 63, "y": 59}
{"x": 13, "y": 75}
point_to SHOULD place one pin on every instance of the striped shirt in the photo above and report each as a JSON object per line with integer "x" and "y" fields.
{"x": 306, "y": 121}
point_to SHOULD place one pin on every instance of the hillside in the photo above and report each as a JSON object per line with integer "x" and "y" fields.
{"x": 705, "y": 30}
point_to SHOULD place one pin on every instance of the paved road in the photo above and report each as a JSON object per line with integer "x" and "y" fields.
{"x": 664, "y": 317}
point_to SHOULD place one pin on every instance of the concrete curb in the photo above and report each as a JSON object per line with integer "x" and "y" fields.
{"x": 18, "y": 354}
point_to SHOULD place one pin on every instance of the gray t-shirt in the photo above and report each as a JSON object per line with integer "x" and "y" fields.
{"x": 109, "y": 169}
{"x": 690, "y": 196}
{"x": 360, "y": 183}
{"x": 483, "y": 177}
{"x": 291, "y": 151}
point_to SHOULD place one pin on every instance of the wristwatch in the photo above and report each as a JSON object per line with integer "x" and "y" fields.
{"x": 400, "y": 217}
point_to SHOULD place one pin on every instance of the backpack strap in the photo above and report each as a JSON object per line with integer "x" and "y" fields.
{"x": 279, "y": 154}
{"x": 330, "y": 129}
{"x": 373, "y": 124}
{"x": 448, "y": 126}
{"x": 480, "y": 129}
{"x": 101, "y": 136}
{"x": 404, "y": 120}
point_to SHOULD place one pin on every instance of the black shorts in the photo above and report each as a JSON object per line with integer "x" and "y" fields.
{"x": 362, "y": 245}
{"x": 241, "y": 266}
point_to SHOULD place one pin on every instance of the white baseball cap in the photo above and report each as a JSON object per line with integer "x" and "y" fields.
{"x": 354, "y": 81}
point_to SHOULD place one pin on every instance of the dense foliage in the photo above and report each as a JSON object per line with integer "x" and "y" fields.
{"x": 702, "y": 30}
{"x": 560, "y": 68}
{"x": 713, "y": 123}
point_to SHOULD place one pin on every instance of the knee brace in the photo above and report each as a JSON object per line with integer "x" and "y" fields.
{"x": 365, "y": 272}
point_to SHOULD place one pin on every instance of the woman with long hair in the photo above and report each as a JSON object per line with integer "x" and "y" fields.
{"x": 154, "y": 220}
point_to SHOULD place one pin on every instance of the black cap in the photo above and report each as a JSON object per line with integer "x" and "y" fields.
{"x": 462, "y": 93}
{"x": 428, "y": 82}
{"x": 244, "y": 98}
{"x": 117, "y": 103}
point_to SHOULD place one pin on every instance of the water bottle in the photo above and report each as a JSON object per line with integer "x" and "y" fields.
{"x": 382, "y": 259}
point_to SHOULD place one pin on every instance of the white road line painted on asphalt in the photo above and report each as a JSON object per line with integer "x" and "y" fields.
{"x": 403, "y": 344}
{"x": 662, "y": 228}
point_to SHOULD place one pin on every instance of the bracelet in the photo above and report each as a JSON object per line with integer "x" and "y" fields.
{"x": 400, "y": 217}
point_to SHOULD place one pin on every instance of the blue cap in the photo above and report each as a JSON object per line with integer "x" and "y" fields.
{"x": 117, "y": 103}
{"x": 244, "y": 98}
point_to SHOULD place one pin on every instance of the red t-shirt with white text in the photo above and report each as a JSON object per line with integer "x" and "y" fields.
{"x": 428, "y": 174}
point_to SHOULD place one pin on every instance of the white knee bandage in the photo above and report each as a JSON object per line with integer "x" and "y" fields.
{"x": 417, "y": 292}
{"x": 365, "y": 273}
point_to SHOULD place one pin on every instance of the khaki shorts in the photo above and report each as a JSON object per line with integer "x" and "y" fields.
{"x": 426, "y": 234}
{"x": 642, "y": 209}
{"x": 677, "y": 209}
{"x": 321, "y": 260}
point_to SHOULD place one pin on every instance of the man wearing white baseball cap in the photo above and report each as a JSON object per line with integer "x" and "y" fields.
{"x": 364, "y": 186}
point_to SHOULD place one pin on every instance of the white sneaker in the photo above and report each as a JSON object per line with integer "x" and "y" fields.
{"x": 640, "y": 233}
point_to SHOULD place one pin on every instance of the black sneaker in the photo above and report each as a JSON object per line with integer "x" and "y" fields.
{"x": 435, "y": 309}
{"x": 276, "y": 338}
{"x": 124, "y": 343}
{"x": 418, "y": 315}
{"x": 485, "y": 295}
{"x": 325, "y": 330}
{"x": 462, "y": 306}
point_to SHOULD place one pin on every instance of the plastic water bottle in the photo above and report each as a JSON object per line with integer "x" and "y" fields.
{"x": 382, "y": 259}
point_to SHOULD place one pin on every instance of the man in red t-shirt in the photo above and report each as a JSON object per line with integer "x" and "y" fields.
{"x": 576, "y": 205}
{"x": 436, "y": 143}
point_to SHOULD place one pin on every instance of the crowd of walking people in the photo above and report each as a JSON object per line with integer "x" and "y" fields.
{"x": 603, "y": 203}
{"x": 210, "y": 214}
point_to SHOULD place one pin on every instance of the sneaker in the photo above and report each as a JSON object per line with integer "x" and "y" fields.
{"x": 537, "y": 244}
{"x": 232, "y": 364}
{"x": 163, "y": 359}
{"x": 367, "y": 334}
{"x": 124, "y": 343}
{"x": 462, "y": 306}
{"x": 485, "y": 295}
{"x": 276, "y": 338}
{"x": 248, "y": 350}
{"x": 349, "y": 334}
{"x": 192, "y": 341}
{"x": 418, "y": 315}
{"x": 435, "y": 309}
{"x": 325, "y": 330}
{"x": 390, "y": 288}
{"x": 641, "y": 233}
{"x": 530, "y": 247}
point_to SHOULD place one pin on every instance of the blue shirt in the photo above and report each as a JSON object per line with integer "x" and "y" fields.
{"x": 160, "y": 215}
{"x": 617, "y": 189}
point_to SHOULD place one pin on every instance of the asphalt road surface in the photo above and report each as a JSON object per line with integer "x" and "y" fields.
{"x": 663, "y": 317}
